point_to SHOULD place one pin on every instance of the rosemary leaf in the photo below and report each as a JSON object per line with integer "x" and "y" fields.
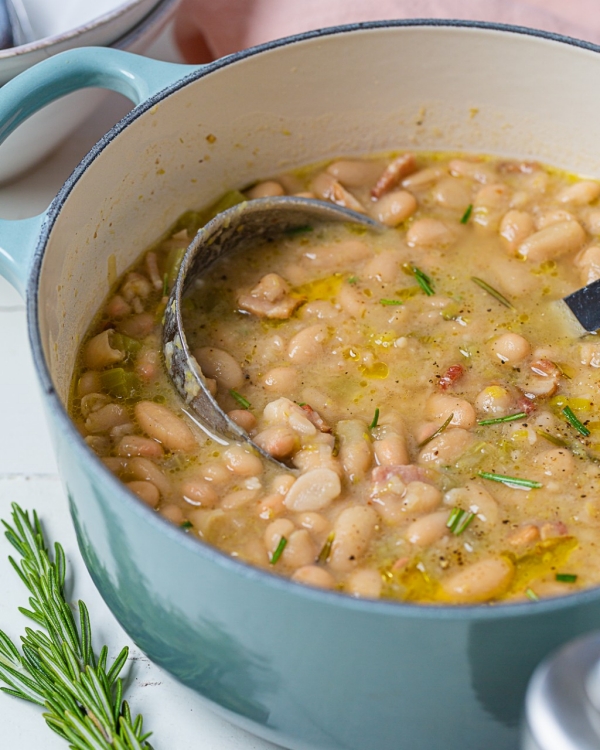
{"x": 423, "y": 280}
{"x": 554, "y": 439}
{"x": 494, "y": 292}
{"x": 373, "y": 424}
{"x": 243, "y": 402}
{"x": 459, "y": 520}
{"x": 500, "y": 420}
{"x": 57, "y": 668}
{"x": 279, "y": 550}
{"x": 574, "y": 422}
{"x": 566, "y": 577}
{"x": 326, "y": 549}
{"x": 436, "y": 433}
{"x": 467, "y": 214}
{"x": 511, "y": 481}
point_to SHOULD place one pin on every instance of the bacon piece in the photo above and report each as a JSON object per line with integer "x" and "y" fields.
{"x": 270, "y": 298}
{"x": 525, "y": 404}
{"x": 551, "y": 530}
{"x": 524, "y": 535}
{"x": 408, "y": 473}
{"x": 518, "y": 167}
{"x": 315, "y": 418}
{"x": 452, "y": 374}
{"x": 544, "y": 379}
{"x": 393, "y": 173}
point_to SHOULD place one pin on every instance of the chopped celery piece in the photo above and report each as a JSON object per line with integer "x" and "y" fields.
{"x": 126, "y": 344}
{"x": 120, "y": 383}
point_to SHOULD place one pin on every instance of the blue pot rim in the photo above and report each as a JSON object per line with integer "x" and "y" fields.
{"x": 388, "y": 608}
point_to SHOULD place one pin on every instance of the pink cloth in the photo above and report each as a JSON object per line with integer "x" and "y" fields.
{"x": 207, "y": 29}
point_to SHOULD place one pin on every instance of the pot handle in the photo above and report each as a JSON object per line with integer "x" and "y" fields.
{"x": 138, "y": 78}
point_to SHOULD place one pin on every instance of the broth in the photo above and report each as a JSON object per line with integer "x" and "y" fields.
{"x": 435, "y": 397}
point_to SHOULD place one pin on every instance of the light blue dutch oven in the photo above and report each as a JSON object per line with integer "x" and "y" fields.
{"x": 304, "y": 668}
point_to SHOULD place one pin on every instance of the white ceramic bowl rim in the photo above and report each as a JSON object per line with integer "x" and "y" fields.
{"x": 382, "y": 608}
{"x": 49, "y": 41}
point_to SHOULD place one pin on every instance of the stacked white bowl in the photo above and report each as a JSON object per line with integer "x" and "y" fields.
{"x": 59, "y": 25}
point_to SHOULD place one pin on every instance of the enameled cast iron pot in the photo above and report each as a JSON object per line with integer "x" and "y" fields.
{"x": 304, "y": 668}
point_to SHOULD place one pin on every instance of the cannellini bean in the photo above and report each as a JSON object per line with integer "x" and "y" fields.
{"x": 429, "y": 233}
{"x": 352, "y": 302}
{"x": 216, "y": 472}
{"x": 284, "y": 411}
{"x": 266, "y": 189}
{"x": 270, "y": 506}
{"x": 479, "y": 582}
{"x": 395, "y": 207}
{"x": 241, "y": 462}
{"x": 390, "y": 448}
{"x": 100, "y": 352}
{"x": 447, "y": 447}
{"x": 589, "y": 355}
{"x": 353, "y": 531}
{"x": 515, "y": 227}
{"x": 338, "y": 255}
{"x": 511, "y": 348}
{"x": 88, "y": 383}
{"x": 207, "y": 521}
{"x": 104, "y": 419}
{"x": 314, "y": 522}
{"x": 197, "y": 491}
{"x": 591, "y": 220}
{"x": 326, "y": 187}
{"x": 553, "y": 241}
{"x": 299, "y": 550}
{"x": 383, "y": 267}
{"x": 421, "y": 497}
{"x": 147, "y": 364}
{"x": 396, "y": 170}
{"x": 553, "y": 217}
{"x": 117, "y": 307}
{"x": 557, "y": 462}
{"x": 279, "y": 441}
{"x": 145, "y": 470}
{"x": 93, "y": 402}
{"x": 238, "y": 498}
{"x": 116, "y": 465}
{"x": 524, "y": 536}
{"x": 314, "y": 490}
{"x": 281, "y": 379}
{"x": 172, "y": 513}
{"x": 100, "y": 444}
{"x": 282, "y": 483}
{"x": 243, "y": 418}
{"x": 219, "y": 365}
{"x": 160, "y": 423}
{"x": 313, "y": 575}
{"x": 494, "y": 400}
{"x": 424, "y": 178}
{"x": 475, "y": 498}
{"x": 307, "y": 344}
{"x": 428, "y": 529}
{"x": 453, "y": 192}
{"x": 589, "y": 263}
{"x": 354, "y": 173}
{"x": 440, "y": 406}
{"x": 580, "y": 193}
{"x": 356, "y": 453}
{"x": 137, "y": 326}
{"x": 136, "y": 445}
{"x": 364, "y": 583}
{"x": 478, "y": 171}
{"x": 146, "y": 491}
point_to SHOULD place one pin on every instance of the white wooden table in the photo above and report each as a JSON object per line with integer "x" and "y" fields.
{"x": 28, "y": 476}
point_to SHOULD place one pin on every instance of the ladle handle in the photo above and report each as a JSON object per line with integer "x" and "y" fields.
{"x": 138, "y": 78}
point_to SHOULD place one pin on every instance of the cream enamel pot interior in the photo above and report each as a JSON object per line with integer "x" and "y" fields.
{"x": 308, "y": 669}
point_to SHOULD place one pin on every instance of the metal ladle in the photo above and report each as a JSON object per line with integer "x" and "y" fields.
{"x": 238, "y": 228}
{"x": 15, "y": 27}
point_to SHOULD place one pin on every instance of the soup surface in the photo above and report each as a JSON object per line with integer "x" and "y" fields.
{"x": 436, "y": 401}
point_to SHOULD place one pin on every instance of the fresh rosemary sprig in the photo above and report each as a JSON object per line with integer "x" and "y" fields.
{"x": 467, "y": 214}
{"x": 574, "y": 422}
{"x": 423, "y": 280}
{"x": 459, "y": 520}
{"x": 375, "y": 420}
{"x": 57, "y": 669}
{"x": 439, "y": 431}
{"x": 501, "y": 420}
{"x": 493, "y": 292}
{"x": 529, "y": 484}
{"x": 243, "y": 402}
{"x": 279, "y": 550}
